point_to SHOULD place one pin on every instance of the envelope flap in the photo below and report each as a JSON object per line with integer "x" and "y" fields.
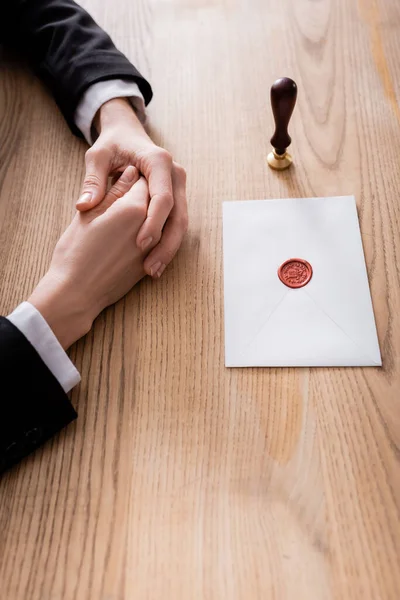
{"x": 303, "y": 335}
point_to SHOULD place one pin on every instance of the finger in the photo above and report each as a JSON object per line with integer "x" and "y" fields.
{"x": 121, "y": 186}
{"x": 134, "y": 205}
{"x": 95, "y": 183}
{"x": 174, "y": 229}
{"x": 158, "y": 172}
{"x": 116, "y": 174}
{"x": 137, "y": 195}
{"x": 115, "y": 178}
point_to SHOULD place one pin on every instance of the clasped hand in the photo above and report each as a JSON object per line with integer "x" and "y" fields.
{"x": 122, "y": 142}
{"x": 96, "y": 261}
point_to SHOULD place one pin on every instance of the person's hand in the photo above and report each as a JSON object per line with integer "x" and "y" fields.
{"x": 96, "y": 261}
{"x": 123, "y": 141}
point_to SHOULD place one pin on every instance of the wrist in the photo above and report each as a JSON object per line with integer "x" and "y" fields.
{"x": 64, "y": 312}
{"x": 116, "y": 112}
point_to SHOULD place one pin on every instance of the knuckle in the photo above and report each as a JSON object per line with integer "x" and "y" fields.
{"x": 97, "y": 154}
{"x": 184, "y": 223}
{"x": 181, "y": 173}
{"x": 168, "y": 201}
{"x": 135, "y": 212}
{"x": 161, "y": 155}
{"x": 168, "y": 254}
{"x": 111, "y": 197}
{"x": 117, "y": 191}
{"x": 141, "y": 212}
{"x": 155, "y": 233}
{"x": 89, "y": 154}
{"x": 130, "y": 211}
{"x": 119, "y": 188}
{"x": 91, "y": 180}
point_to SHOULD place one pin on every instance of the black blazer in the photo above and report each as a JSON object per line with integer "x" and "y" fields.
{"x": 70, "y": 53}
{"x": 66, "y": 48}
{"x": 33, "y": 405}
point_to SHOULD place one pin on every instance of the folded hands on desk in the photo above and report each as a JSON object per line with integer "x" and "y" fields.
{"x": 123, "y": 141}
{"x": 96, "y": 261}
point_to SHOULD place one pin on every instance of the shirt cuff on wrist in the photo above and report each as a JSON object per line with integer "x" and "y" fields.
{"x": 36, "y": 330}
{"x": 103, "y": 91}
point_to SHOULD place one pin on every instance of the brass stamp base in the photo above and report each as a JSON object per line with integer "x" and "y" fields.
{"x": 279, "y": 162}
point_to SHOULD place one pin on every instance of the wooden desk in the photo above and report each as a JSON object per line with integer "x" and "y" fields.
{"x": 181, "y": 479}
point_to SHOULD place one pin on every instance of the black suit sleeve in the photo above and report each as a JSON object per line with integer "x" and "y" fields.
{"x": 67, "y": 49}
{"x": 33, "y": 405}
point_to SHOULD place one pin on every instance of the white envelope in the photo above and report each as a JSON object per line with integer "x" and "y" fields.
{"x": 330, "y": 321}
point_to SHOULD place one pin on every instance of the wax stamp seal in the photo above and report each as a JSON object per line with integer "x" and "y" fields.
{"x": 295, "y": 272}
{"x": 283, "y": 100}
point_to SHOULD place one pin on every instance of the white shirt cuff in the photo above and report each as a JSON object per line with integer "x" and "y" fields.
{"x": 103, "y": 91}
{"x": 36, "y": 330}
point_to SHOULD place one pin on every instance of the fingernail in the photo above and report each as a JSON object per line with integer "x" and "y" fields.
{"x": 84, "y": 199}
{"x": 129, "y": 174}
{"x": 161, "y": 270}
{"x": 147, "y": 243}
{"x": 155, "y": 268}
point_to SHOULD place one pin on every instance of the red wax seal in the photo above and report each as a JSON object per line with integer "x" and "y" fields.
{"x": 295, "y": 272}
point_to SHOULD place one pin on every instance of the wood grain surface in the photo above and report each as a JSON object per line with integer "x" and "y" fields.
{"x": 182, "y": 479}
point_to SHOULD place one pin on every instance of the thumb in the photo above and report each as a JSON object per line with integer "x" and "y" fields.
{"x": 96, "y": 177}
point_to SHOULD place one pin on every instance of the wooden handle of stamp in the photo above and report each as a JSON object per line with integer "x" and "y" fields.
{"x": 283, "y": 100}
